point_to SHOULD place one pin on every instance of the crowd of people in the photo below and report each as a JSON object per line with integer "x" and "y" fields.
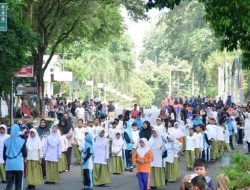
{"x": 198, "y": 128}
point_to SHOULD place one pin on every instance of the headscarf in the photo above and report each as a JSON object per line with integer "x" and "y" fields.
{"x": 156, "y": 142}
{"x": 14, "y": 143}
{"x": 54, "y": 138}
{"x": 34, "y": 143}
{"x": 143, "y": 150}
{"x": 88, "y": 143}
{"x": 117, "y": 141}
{"x": 66, "y": 128}
{"x": 146, "y": 133}
{"x": 4, "y": 136}
{"x": 100, "y": 141}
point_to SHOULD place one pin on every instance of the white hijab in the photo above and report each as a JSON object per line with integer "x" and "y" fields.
{"x": 4, "y": 136}
{"x": 34, "y": 143}
{"x": 116, "y": 141}
{"x": 143, "y": 150}
{"x": 155, "y": 142}
{"x": 54, "y": 138}
{"x": 100, "y": 141}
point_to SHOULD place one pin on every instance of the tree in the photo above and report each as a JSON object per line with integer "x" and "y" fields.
{"x": 229, "y": 19}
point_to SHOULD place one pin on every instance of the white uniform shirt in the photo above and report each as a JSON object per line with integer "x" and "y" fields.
{"x": 220, "y": 133}
{"x": 190, "y": 143}
{"x": 79, "y": 134}
{"x": 198, "y": 140}
{"x": 212, "y": 132}
{"x": 80, "y": 112}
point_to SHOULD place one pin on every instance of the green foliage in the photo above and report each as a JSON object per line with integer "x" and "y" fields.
{"x": 15, "y": 47}
{"x": 239, "y": 171}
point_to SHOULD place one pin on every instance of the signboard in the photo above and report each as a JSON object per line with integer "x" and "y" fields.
{"x": 26, "y": 71}
{"x": 3, "y": 17}
{"x": 27, "y": 89}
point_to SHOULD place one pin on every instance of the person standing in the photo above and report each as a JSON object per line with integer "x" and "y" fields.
{"x": 3, "y": 137}
{"x": 128, "y": 138}
{"x": 52, "y": 154}
{"x": 135, "y": 112}
{"x": 14, "y": 153}
{"x": 34, "y": 174}
{"x": 157, "y": 177}
{"x": 117, "y": 161}
{"x": 146, "y": 130}
{"x": 190, "y": 148}
{"x": 143, "y": 157}
{"x": 101, "y": 170}
{"x": 66, "y": 128}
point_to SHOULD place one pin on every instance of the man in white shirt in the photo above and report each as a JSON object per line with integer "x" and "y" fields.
{"x": 190, "y": 147}
{"x": 212, "y": 137}
{"x": 80, "y": 112}
{"x": 160, "y": 128}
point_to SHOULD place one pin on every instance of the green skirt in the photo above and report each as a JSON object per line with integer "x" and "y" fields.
{"x": 117, "y": 165}
{"x": 52, "y": 171}
{"x": 157, "y": 178}
{"x": 77, "y": 154}
{"x": 172, "y": 170}
{"x": 101, "y": 174}
{"x": 2, "y": 172}
{"x": 34, "y": 175}
{"x": 62, "y": 164}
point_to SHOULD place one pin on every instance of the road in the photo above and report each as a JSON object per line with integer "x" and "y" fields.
{"x": 72, "y": 181}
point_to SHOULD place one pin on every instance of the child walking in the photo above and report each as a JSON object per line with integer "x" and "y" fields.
{"x": 87, "y": 161}
{"x": 34, "y": 175}
{"x": 62, "y": 164}
{"x": 117, "y": 161}
{"x": 128, "y": 137}
{"x": 143, "y": 157}
{"x": 3, "y": 137}
{"x": 190, "y": 147}
{"x": 52, "y": 154}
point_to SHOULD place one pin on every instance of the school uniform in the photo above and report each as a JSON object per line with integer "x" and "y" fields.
{"x": 226, "y": 146}
{"x": 190, "y": 147}
{"x": 34, "y": 175}
{"x": 3, "y": 137}
{"x": 157, "y": 176}
{"x": 52, "y": 153}
{"x": 205, "y": 150}
{"x": 220, "y": 138}
{"x": 62, "y": 164}
{"x": 117, "y": 160}
{"x": 212, "y": 137}
{"x": 143, "y": 169}
{"x": 128, "y": 138}
{"x": 87, "y": 162}
{"x": 101, "y": 170}
{"x": 172, "y": 161}
{"x": 198, "y": 145}
{"x": 79, "y": 134}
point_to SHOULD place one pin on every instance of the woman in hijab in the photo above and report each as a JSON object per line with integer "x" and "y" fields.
{"x": 146, "y": 130}
{"x": 14, "y": 153}
{"x": 157, "y": 177}
{"x": 52, "y": 154}
{"x": 87, "y": 161}
{"x": 143, "y": 157}
{"x": 34, "y": 174}
{"x": 3, "y": 137}
{"x": 117, "y": 161}
{"x": 66, "y": 128}
{"x": 101, "y": 170}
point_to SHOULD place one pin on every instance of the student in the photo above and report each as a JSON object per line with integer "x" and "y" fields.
{"x": 14, "y": 153}
{"x": 212, "y": 137}
{"x": 221, "y": 139}
{"x": 52, "y": 154}
{"x": 101, "y": 170}
{"x": 143, "y": 157}
{"x": 117, "y": 161}
{"x": 198, "y": 142}
{"x": 198, "y": 183}
{"x": 79, "y": 133}
{"x": 34, "y": 175}
{"x": 146, "y": 130}
{"x": 157, "y": 177}
{"x": 87, "y": 161}
{"x": 226, "y": 147}
{"x": 135, "y": 135}
{"x": 128, "y": 137}
{"x": 3, "y": 137}
{"x": 172, "y": 162}
{"x": 161, "y": 128}
{"x": 222, "y": 182}
{"x": 190, "y": 147}
{"x": 205, "y": 148}
{"x": 62, "y": 164}
{"x": 138, "y": 121}
{"x": 200, "y": 169}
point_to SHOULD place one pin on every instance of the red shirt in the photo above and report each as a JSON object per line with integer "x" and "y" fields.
{"x": 134, "y": 113}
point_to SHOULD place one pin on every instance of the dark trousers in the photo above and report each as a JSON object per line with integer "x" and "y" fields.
{"x": 14, "y": 177}
{"x": 128, "y": 155}
{"x": 248, "y": 146}
{"x": 43, "y": 167}
{"x": 240, "y": 136}
{"x": 87, "y": 178}
{"x": 231, "y": 142}
{"x": 68, "y": 156}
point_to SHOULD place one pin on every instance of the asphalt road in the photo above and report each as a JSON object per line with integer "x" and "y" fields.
{"x": 72, "y": 180}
